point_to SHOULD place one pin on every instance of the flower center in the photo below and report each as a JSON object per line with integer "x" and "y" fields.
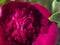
{"x": 23, "y": 25}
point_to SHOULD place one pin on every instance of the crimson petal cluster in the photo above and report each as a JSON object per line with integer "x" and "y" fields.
{"x": 22, "y": 22}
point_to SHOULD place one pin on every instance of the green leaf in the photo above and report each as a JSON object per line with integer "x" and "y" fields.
{"x": 55, "y": 17}
{"x": 54, "y": 6}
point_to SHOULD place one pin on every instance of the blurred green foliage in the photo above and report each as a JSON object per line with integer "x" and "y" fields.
{"x": 3, "y": 1}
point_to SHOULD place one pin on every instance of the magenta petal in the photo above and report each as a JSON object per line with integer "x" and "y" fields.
{"x": 48, "y": 39}
{"x": 42, "y": 10}
{"x": 53, "y": 29}
{"x": 53, "y": 34}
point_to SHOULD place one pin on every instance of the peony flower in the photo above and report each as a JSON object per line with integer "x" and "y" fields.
{"x": 23, "y": 23}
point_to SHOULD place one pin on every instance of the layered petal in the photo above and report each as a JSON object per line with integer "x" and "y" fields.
{"x": 27, "y": 24}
